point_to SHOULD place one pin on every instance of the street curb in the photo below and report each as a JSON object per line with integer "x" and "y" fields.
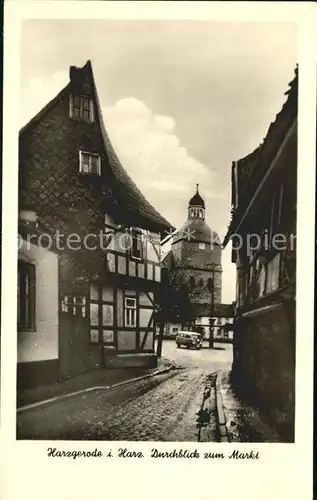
{"x": 220, "y": 413}
{"x": 205, "y": 430}
{"x": 90, "y": 389}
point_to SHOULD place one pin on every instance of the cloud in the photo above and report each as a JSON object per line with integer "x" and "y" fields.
{"x": 152, "y": 153}
{"x": 166, "y": 123}
{"x": 145, "y": 142}
{"x": 39, "y": 92}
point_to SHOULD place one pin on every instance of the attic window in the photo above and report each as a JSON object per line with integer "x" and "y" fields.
{"x": 89, "y": 163}
{"x": 81, "y": 108}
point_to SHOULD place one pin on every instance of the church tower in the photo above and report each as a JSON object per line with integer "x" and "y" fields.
{"x": 196, "y": 258}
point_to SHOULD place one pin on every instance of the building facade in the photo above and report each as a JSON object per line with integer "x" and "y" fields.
{"x": 263, "y": 234}
{"x": 194, "y": 271}
{"x": 219, "y": 326}
{"x": 89, "y": 258}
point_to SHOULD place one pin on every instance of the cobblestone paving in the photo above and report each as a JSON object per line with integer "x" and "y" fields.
{"x": 162, "y": 408}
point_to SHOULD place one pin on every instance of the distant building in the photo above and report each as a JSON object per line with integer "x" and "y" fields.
{"x": 221, "y": 322}
{"x": 264, "y": 204}
{"x": 85, "y": 300}
{"x": 194, "y": 276}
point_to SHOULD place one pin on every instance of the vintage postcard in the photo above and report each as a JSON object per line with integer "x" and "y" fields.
{"x": 158, "y": 247}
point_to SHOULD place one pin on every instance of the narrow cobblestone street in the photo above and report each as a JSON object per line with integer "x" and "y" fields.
{"x": 167, "y": 407}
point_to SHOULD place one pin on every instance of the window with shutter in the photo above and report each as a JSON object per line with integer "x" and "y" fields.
{"x": 89, "y": 163}
{"x": 136, "y": 244}
{"x": 81, "y": 108}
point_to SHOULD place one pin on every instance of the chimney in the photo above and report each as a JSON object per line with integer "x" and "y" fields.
{"x": 73, "y": 73}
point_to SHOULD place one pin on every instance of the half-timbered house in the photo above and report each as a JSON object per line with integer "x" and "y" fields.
{"x": 86, "y": 296}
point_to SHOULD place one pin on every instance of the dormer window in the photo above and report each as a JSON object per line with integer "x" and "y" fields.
{"x": 89, "y": 163}
{"x": 81, "y": 108}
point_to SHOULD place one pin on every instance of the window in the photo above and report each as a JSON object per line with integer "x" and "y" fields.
{"x": 201, "y": 282}
{"x": 276, "y": 211}
{"x": 89, "y": 163}
{"x": 130, "y": 311}
{"x": 86, "y": 109}
{"x": 136, "y": 244}
{"x": 242, "y": 288}
{"x": 192, "y": 282}
{"x": 201, "y": 246}
{"x": 75, "y": 107}
{"x": 81, "y": 108}
{"x": 273, "y": 272}
{"x": 26, "y": 296}
{"x": 74, "y": 305}
{"x": 279, "y": 217}
{"x": 261, "y": 280}
{"x": 250, "y": 274}
{"x": 210, "y": 284}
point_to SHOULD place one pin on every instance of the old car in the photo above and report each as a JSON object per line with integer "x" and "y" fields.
{"x": 189, "y": 339}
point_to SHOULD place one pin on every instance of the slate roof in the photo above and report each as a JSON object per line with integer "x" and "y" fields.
{"x": 126, "y": 190}
{"x": 253, "y": 167}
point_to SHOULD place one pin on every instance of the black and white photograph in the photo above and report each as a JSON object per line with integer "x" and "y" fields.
{"x": 159, "y": 172}
{"x": 157, "y": 210}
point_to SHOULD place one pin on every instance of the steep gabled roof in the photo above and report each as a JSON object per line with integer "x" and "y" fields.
{"x": 42, "y": 113}
{"x": 125, "y": 189}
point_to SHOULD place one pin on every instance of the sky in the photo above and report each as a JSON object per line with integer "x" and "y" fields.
{"x": 181, "y": 100}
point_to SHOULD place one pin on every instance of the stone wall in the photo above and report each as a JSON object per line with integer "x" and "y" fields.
{"x": 190, "y": 254}
{"x": 200, "y": 294}
{"x": 263, "y": 371}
